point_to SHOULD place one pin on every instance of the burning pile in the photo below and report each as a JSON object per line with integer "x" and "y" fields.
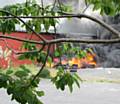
{"x": 88, "y": 61}
{"x": 85, "y": 62}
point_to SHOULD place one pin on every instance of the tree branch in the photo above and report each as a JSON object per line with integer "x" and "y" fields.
{"x": 21, "y": 39}
{"x": 31, "y": 52}
{"x": 14, "y": 16}
{"x": 19, "y": 53}
{"x": 74, "y": 40}
{"x": 111, "y": 29}
{"x": 89, "y": 41}
{"x": 42, "y": 67}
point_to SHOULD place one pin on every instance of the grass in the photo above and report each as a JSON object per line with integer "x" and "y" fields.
{"x": 31, "y": 67}
{"x": 101, "y": 80}
{"x": 48, "y": 72}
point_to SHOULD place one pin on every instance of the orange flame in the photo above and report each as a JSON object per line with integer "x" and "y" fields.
{"x": 83, "y": 62}
{"x": 88, "y": 61}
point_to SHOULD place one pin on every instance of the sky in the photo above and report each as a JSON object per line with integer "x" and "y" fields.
{"x": 8, "y": 2}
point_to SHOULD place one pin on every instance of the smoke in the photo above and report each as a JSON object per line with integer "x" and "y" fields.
{"x": 107, "y": 55}
{"x": 80, "y": 25}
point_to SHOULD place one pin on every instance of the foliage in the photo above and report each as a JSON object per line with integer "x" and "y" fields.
{"x": 69, "y": 51}
{"x": 108, "y": 7}
{"x": 45, "y": 74}
{"x": 17, "y": 84}
{"x": 31, "y": 8}
{"x": 65, "y": 78}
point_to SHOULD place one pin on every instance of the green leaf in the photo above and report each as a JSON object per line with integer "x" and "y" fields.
{"x": 49, "y": 59}
{"x": 3, "y": 81}
{"x": 21, "y": 57}
{"x": 82, "y": 54}
{"x": 61, "y": 84}
{"x": 70, "y": 83}
{"x": 41, "y": 57}
{"x": 70, "y": 88}
{"x": 45, "y": 74}
{"x": 9, "y": 90}
{"x": 34, "y": 83}
{"x": 21, "y": 74}
{"x": 57, "y": 54}
{"x": 46, "y": 24}
{"x": 76, "y": 81}
{"x": 40, "y": 93}
{"x": 52, "y": 22}
{"x": 77, "y": 76}
{"x": 9, "y": 71}
{"x": 23, "y": 67}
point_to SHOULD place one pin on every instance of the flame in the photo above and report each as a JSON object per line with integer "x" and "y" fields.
{"x": 88, "y": 61}
{"x": 81, "y": 62}
{"x": 64, "y": 62}
{"x": 75, "y": 61}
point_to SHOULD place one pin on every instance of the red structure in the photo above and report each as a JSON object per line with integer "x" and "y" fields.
{"x": 7, "y": 56}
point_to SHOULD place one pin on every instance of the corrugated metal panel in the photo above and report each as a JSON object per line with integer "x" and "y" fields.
{"x": 16, "y": 45}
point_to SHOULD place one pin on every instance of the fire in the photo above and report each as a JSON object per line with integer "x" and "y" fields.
{"x": 75, "y": 61}
{"x": 87, "y": 61}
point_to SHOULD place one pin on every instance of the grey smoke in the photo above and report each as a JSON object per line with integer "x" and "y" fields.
{"x": 107, "y": 55}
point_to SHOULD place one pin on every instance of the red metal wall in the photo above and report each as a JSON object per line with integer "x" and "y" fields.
{"x": 16, "y": 45}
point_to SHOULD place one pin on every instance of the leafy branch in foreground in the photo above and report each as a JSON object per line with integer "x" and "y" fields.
{"x": 15, "y": 81}
{"x": 109, "y": 8}
{"x": 66, "y": 78}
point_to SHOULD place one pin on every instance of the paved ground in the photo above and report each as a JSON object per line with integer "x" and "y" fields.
{"x": 89, "y": 93}
{"x": 97, "y": 93}
{"x": 100, "y": 74}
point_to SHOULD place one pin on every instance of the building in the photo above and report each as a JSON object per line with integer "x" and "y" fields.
{"x": 6, "y": 45}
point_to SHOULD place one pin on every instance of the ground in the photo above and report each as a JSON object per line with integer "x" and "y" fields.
{"x": 91, "y": 92}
